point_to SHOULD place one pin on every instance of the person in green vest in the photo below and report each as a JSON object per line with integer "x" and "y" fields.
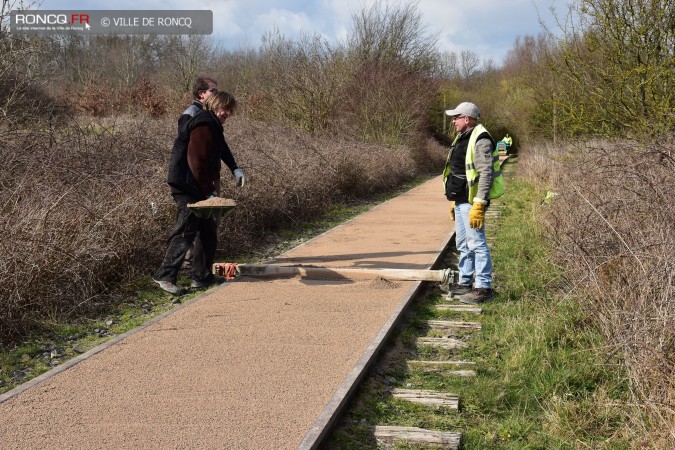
{"x": 471, "y": 177}
{"x": 508, "y": 140}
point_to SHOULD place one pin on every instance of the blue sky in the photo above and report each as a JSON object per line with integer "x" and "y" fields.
{"x": 486, "y": 27}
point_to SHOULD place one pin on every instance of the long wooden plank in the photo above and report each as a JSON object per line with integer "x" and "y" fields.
{"x": 441, "y": 363}
{"x": 443, "y": 342}
{"x": 414, "y": 435}
{"x": 453, "y": 373}
{"x": 456, "y": 373}
{"x": 428, "y": 398}
{"x": 460, "y": 308}
{"x": 452, "y": 324}
{"x": 272, "y": 270}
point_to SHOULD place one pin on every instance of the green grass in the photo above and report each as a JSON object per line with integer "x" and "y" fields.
{"x": 542, "y": 379}
{"x": 141, "y": 301}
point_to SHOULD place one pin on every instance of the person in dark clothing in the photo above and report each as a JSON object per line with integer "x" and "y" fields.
{"x": 202, "y": 88}
{"x": 194, "y": 175}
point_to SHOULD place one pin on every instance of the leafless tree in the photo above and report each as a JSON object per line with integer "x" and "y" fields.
{"x": 469, "y": 62}
{"x": 448, "y": 65}
{"x": 393, "y": 36}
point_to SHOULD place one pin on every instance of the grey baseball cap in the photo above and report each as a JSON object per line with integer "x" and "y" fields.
{"x": 464, "y": 109}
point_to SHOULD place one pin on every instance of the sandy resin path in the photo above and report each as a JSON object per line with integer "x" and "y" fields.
{"x": 249, "y": 365}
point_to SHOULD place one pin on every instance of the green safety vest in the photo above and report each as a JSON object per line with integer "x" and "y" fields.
{"x": 497, "y": 188}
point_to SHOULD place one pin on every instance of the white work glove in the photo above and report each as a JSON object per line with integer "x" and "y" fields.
{"x": 239, "y": 177}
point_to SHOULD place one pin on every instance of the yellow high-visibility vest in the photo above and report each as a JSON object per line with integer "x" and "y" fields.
{"x": 497, "y": 188}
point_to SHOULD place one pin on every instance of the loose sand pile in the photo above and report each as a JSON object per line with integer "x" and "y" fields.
{"x": 382, "y": 283}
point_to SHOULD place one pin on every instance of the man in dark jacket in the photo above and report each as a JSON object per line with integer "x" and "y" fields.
{"x": 194, "y": 174}
{"x": 202, "y": 88}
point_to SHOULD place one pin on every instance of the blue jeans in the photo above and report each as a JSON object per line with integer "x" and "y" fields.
{"x": 474, "y": 254}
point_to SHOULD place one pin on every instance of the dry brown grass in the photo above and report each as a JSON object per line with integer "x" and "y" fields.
{"x": 613, "y": 226}
{"x": 74, "y": 216}
{"x": 86, "y": 208}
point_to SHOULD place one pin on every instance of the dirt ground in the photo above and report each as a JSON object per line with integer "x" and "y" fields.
{"x": 248, "y": 365}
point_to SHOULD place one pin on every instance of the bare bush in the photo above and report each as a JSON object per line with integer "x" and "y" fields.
{"x": 109, "y": 75}
{"x": 387, "y": 106}
{"x": 299, "y": 82}
{"x": 615, "y": 233}
{"x": 184, "y": 58}
{"x": 393, "y": 37}
{"x": 98, "y": 102}
{"x": 429, "y": 155}
{"x": 73, "y": 215}
{"x": 147, "y": 97}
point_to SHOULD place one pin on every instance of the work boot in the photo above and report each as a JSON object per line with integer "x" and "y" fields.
{"x": 211, "y": 280}
{"x": 455, "y": 289}
{"x": 477, "y": 295}
{"x": 168, "y": 286}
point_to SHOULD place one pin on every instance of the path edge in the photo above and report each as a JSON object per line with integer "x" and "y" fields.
{"x": 333, "y": 410}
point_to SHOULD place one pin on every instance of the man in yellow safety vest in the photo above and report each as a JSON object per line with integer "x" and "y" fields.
{"x": 508, "y": 140}
{"x": 472, "y": 176}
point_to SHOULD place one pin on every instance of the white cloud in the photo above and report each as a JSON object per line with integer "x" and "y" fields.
{"x": 287, "y": 22}
{"x": 486, "y": 27}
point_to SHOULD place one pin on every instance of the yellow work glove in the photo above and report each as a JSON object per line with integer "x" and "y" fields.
{"x": 452, "y": 211}
{"x": 477, "y": 215}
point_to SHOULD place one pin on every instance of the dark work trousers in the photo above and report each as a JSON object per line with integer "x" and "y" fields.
{"x": 188, "y": 229}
